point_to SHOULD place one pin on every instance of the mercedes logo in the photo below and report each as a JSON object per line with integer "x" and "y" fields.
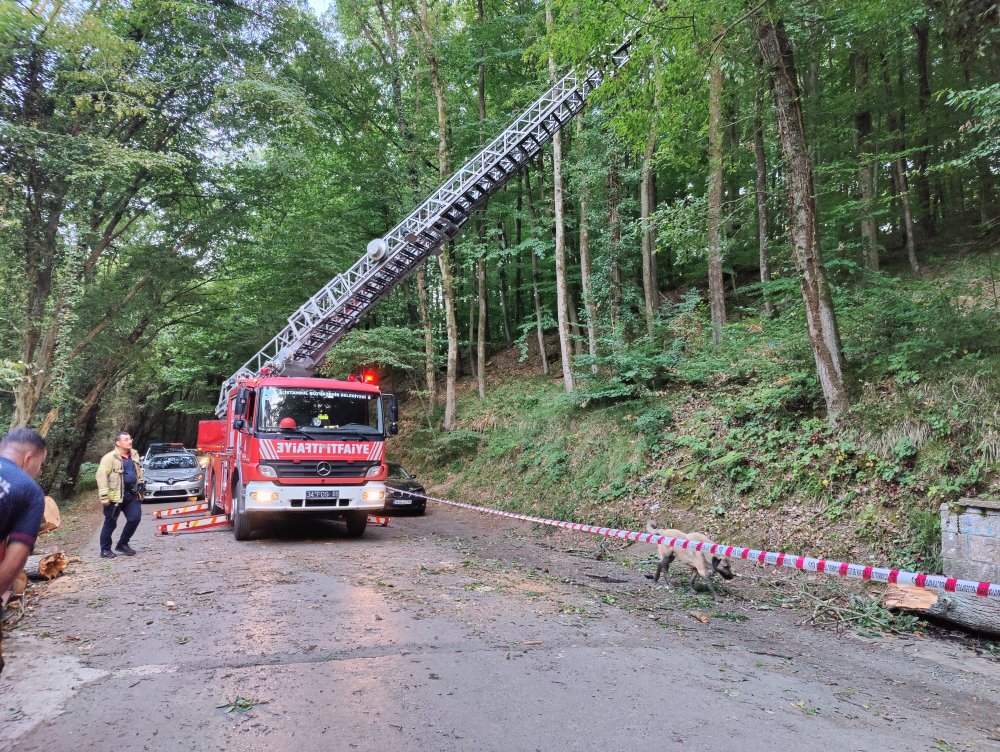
{"x": 323, "y": 469}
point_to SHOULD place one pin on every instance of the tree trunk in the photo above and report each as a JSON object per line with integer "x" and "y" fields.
{"x": 904, "y": 197}
{"x": 921, "y": 30}
{"x": 562, "y": 303}
{"x": 588, "y": 294}
{"x": 614, "y": 247}
{"x": 504, "y": 290}
{"x": 716, "y": 285}
{"x": 473, "y": 298}
{"x": 900, "y": 182}
{"x": 803, "y": 223}
{"x": 518, "y": 228}
{"x": 534, "y": 274}
{"x": 970, "y": 611}
{"x": 481, "y": 260}
{"x": 481, "y": 337}
{"x": 649, "y": 287}
{"x": 430, "y": 366}
{"x": 866, "y": 165}
{"x": 444, "y": 259}
{"x": 760, "y": 158}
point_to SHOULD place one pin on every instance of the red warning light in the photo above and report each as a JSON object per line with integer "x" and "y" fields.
{"x": 368, "y": 377}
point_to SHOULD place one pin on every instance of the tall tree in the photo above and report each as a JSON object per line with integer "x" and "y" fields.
{"x": 584, "y": 231}
{"x": 562, "y": 292}
{"x": 445, "y": 257}
{"x": 647, "y": 208}
{"x": 821, "y": 317}
{"x": 866, "y": 163}
{"x": 763, "y": 233}
{"x": 716, "y": 287}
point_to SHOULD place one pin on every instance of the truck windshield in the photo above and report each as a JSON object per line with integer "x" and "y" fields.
{"x": 326, "y": 411}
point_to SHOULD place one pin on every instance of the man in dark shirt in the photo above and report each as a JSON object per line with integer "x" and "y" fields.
{"x": 22, "y": 502}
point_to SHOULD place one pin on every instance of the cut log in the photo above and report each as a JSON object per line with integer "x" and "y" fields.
{"x": 968, "y": 611}
{"x": 20, "y": 583}
{"x": 46, "y": 567}
{"x": 52, "y": 518}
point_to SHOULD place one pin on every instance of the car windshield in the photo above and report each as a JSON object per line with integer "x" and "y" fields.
{"x": 396, "y": 472}
{"x": 327, "y": 411}
{"x": 171, "y": 462}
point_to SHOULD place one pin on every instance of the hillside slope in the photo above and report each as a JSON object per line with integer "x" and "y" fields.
{"x": 732, "y": 440}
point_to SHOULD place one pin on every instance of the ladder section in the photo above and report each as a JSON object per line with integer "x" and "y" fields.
{"x": 333, "y": 311}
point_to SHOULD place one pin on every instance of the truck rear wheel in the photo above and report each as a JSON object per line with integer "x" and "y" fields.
{"x": 213, "y": 505}
{"x": 356, "y": 523}
{"x": 242, "y": 530}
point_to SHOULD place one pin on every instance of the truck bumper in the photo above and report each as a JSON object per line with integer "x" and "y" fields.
{"x": 262, "y": 496}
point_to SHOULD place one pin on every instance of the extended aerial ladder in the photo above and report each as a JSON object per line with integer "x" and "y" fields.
{"x": 329, "y": 314}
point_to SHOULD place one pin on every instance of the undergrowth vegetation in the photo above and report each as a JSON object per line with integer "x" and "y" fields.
{"x": 732, "y": 438}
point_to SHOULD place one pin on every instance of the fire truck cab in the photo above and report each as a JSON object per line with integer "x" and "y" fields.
{"x": 296, "y": 446}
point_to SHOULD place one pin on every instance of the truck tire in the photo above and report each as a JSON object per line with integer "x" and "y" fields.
{"x": 242, "y": 530}
{"x": 356, "y": 523}
{"x": 213, "y": 505}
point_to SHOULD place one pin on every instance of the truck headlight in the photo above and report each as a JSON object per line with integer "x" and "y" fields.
{"x": 264, "y": 497}
{"x": 374, "y": 472}
{"x": 267, "y": 471}
{"x": 373, "y": 495}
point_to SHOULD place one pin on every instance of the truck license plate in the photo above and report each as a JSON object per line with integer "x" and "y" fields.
{"x": 325, "y": 494}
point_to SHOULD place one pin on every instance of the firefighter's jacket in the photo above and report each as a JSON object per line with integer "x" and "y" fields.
{"x": 109, "y": 476}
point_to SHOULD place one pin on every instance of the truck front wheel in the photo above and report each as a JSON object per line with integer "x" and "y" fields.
{"x": 242, "y": 530}
{"x": 356, "y": 523}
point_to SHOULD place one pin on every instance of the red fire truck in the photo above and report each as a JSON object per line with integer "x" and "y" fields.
{"x": 295, "y": 446}
{"x": 286, "y": 442}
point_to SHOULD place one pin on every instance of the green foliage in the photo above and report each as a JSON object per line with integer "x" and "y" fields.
{"x": 639, "y": 368}
{"x": 397, "y": 348}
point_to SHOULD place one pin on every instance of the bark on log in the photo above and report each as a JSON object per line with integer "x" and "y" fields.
{"x": 46, "y": 567}
{"x": 968, "y": 611}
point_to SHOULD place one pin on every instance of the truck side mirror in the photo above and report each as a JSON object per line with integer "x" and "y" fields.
{"x": 242, "y": 400}
{"x": 239, "y": 424}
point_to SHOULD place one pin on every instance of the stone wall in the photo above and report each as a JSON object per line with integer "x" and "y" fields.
{"x": 970, "y": 539}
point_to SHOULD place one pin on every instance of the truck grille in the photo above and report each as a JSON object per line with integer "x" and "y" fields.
{"x": 311, "y": 469}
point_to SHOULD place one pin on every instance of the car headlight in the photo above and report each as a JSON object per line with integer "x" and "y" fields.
{"x": 199, "y": 476}
{"x": 374, "y": 472}
{"x": 373, "y": 495}
{"x": 267, "y": 471}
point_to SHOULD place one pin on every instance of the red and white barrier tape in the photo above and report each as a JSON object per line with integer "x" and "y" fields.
{"x": 791, "y": 561}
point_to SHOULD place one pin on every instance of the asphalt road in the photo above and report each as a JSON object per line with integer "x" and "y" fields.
{"x": 455, "y": 631}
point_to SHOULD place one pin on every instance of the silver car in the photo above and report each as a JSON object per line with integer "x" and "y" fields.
{"x": 173, "y": 476}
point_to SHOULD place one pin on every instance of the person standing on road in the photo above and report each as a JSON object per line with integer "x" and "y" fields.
{"x": 119, "y": 481}
{"x": 22, "y": 501}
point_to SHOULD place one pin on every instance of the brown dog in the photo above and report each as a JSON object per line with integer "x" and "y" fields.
{"x": 702, "y": 562}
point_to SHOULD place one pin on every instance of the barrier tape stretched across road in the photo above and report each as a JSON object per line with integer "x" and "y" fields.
{"x": 791, "y": 561}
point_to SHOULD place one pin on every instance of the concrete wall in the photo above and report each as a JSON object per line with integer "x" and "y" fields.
{"x": 970, "y": 539}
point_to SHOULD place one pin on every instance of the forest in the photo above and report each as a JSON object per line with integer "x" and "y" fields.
{"x": 759, "y": 272}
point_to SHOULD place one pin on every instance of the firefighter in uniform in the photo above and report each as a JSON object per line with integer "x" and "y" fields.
{"x": 121, "y": 486}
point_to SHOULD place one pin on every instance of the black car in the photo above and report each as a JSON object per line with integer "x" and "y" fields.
{"x": 400, "y": 482}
